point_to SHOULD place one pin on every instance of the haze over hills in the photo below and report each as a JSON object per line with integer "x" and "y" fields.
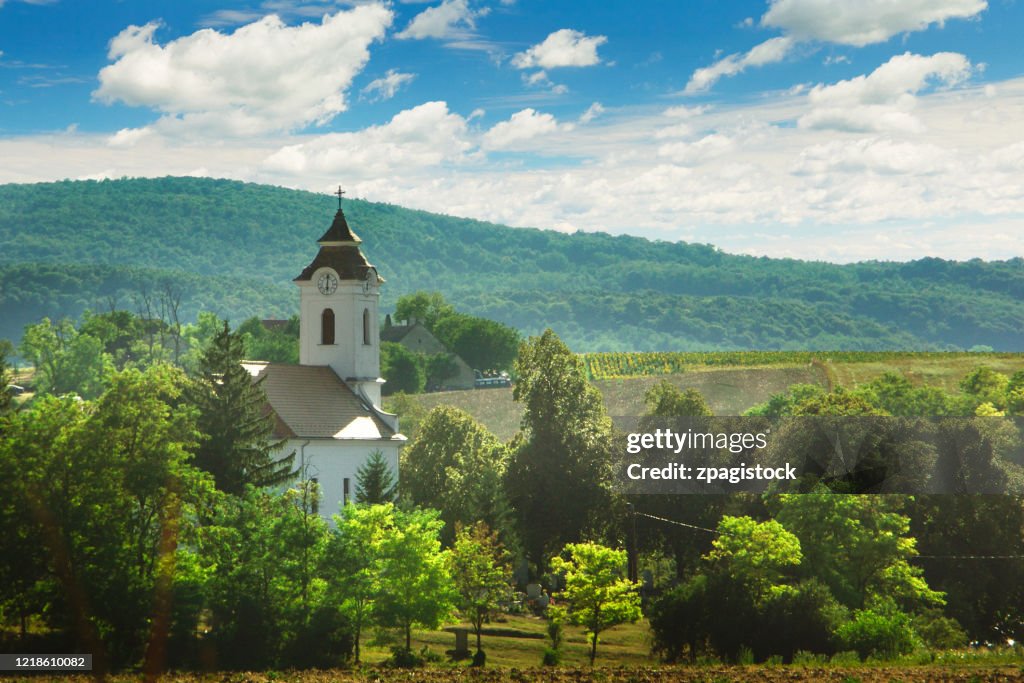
{"x": 233, "y": 248}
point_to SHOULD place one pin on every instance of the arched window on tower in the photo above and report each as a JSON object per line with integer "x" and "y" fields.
{"x": 327, "y": 326}
{"x": 366, "y": 326}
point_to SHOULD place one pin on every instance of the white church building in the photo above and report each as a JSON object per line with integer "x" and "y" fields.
{"x": 327, "y": 407}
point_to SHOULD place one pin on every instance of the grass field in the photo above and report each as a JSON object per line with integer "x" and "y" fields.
{"x": 623, "y": 657}
{"x": 730, "y": 390}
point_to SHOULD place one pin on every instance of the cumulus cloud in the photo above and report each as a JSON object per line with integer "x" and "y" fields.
{"x": 450, "y": 19}
{"x": 385, "y": 87}
{"x": 771, "y": 50}
{"x": 866, "y": 21}
{"x": 265, "y": 76}
{"x": 860, "y": 23}
{"x": 883, "y": 100}
{"x": 425, "y": 136}
{"x": 565, "y": 47}
{"x": 874, "y": 155}
{"x": 521, "y": 127}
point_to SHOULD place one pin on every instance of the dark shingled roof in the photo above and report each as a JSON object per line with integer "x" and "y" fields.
{"x": 395, "y": 333}
{"x": 339, "y": 250}
{"x": 339, "y": 231}
{"x": 311, "y": 402}
{"x": 348, "y": 262}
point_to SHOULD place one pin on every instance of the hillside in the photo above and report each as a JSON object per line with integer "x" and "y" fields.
{"x": 233, "y": 248}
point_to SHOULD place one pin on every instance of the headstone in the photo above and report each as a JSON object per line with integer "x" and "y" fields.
{"x": 461, "y": 643}
{"x": 533, "y": 591}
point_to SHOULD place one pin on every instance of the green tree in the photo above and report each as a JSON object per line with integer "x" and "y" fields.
{"x": 456, "y": 466}
{"x": 599, "y": 596}
{"x": 858, "y": 546}
{"x": 754, "y": 554}
{"x": 66, "y": 361}
{"x": 985, "y": 385}
{"x": 353, "y": 562}
{"x": 480, "y": 569}
{"x": 105, "y": 489}
{"x": 566, "y": 439}
{"x": 401, "y": 368}
{"x": 664, "y": 399}
{"x": 375, "y": 484}
{"x": 238, "y": 448}
{"x": 483, "y": 344}
{"x": 6, "y": 378}
{"x": 415, "y": 587}
{"x": 422, "y": 307}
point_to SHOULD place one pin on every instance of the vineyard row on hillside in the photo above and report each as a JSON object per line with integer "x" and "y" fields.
{"x": 614, "y": 365}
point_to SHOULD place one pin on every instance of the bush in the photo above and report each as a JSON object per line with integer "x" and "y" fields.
{"x": 552, "y": 657}
{"x": 326, "y": 641}
{"x": 939, "y": 632}
{"x": 884, "y": 634}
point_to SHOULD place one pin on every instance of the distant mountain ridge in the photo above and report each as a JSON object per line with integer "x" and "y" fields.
{"x": 234, "y": 248}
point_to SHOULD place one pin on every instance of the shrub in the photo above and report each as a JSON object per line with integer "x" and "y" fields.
{"x": 552, "y": 657}
{"x": 884, "y": 634}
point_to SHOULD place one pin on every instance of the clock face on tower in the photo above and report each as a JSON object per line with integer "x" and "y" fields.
{"x": 327, "y": 283}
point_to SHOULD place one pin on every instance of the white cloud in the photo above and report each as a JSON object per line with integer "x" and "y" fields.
{"x": 385, "y": 87}
{"x": 875, "y": 155}
{"x": 565, "y": 47}
{"x": 863, "y": 22}
{"x": 699, "y": 152}
{"x": 771, "y": 50}
{"x": 450, "y": 19}
{"x": 858, "y": 23}
{"x": 522, "y": 126}
{"x": 424, "y": 136}
{"x": 592, "y": 112}
{"x": 883, "y": 99}
{"x": 265, "y": 76}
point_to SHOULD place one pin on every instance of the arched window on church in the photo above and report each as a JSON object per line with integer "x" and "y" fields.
{"x": 366, "y": 326}
{"x": 327, "y": 327}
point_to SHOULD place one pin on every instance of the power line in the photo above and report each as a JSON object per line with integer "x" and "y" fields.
{"x": 688, "y": 526}
{"x": 917, "y": 557}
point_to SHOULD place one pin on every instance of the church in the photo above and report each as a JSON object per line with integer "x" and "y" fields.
{"x": 328, "y": 407}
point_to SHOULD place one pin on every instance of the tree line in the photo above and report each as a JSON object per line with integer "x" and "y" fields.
{"x": 68, "y": 246}
{"x": 147, "y": 517}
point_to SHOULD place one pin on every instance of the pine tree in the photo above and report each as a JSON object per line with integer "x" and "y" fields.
{"x": 375, "y": 484}
{"x": 239, "y": 448}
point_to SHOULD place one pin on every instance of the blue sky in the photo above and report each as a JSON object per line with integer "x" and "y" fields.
{"x": 816, "y": 129}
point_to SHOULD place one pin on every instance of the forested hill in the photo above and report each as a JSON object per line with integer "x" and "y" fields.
{"x": 234, "y": 248}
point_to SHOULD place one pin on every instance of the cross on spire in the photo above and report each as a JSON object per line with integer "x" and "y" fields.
{"x": 340, "y": 193}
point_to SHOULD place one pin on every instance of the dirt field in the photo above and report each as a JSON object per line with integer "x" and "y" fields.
{"x": 697, "y": 674}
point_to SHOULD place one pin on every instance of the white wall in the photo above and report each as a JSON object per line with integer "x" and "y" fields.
{"x": 331, "y": 461}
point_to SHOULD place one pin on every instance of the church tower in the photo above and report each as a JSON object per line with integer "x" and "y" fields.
{"x": 338, "y": 295}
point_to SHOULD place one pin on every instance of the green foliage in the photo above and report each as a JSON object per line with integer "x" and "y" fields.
{"x": 480, "y": 569}
{"x": 858, "y": 546}
{"x": 415, "y": 587}
{"x": 754, "y": 554}
{"x": 566, "y": 438}
{"x": 275, "y": 345}
{"x": 426, "y": 308}
{"x": 375, "y": 483}
{"x": 230, "y": 247}
{"x": 238, "y": 447}
{"x": 100, "y": 490}
{"x": 65, "y": 360}
{"x": 884, "y": 633}
{"x": 401, "y": 368}
{"x": 599, "y": 596}
{"x": 667, "y": 400}
{"x": 456, "y": 466}
{"x": 353, "y": 562}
